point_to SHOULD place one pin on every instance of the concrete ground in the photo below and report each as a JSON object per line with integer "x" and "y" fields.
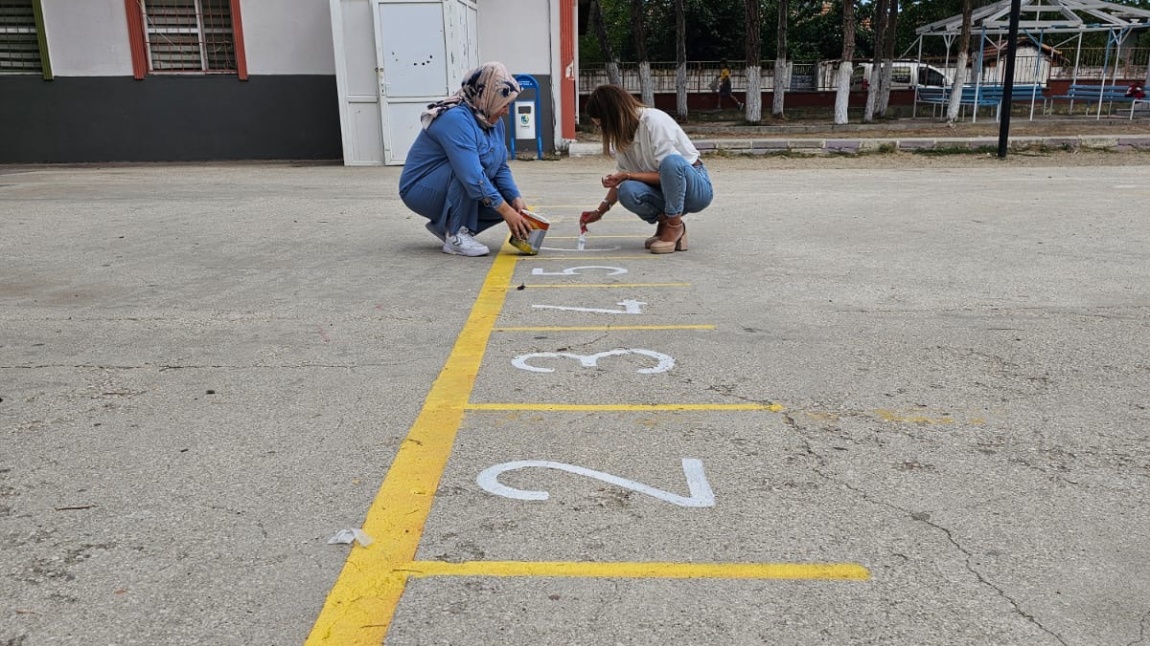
{"x": 917, "y": 390}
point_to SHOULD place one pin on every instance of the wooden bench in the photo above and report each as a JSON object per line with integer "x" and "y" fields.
{"x": 1089, "y": 94}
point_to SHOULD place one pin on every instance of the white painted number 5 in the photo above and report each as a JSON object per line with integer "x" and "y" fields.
{"x": 701, "y": 493}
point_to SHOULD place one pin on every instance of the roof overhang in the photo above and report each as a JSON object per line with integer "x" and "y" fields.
{"x": 1049, "y": 16}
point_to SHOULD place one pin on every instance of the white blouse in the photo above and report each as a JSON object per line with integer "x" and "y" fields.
{"x": 658, "y": 135}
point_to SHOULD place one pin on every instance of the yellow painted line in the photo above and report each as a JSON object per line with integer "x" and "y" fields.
{"x": 805, "y": 571}
{"x": 774, "y": 408}
{"x": 584, "y": 258}
{"x": 600, "y": 328}
{"x": 594, "y": 285}
{"x": 628, "y": 236}
{"x": 361, "y": 604}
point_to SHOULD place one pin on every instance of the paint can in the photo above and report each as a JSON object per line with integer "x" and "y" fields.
{"x": 534, "y": 241}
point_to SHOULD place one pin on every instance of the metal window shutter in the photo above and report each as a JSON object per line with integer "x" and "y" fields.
{"x": 19, "y": 45}
{"x": 174, "y": 35}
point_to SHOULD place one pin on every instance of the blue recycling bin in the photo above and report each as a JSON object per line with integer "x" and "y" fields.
{"x": 524, "y": 115}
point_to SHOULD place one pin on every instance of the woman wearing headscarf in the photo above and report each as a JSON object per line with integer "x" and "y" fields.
{"x": 456, "y": 172}
{"x": 658, "y": 176}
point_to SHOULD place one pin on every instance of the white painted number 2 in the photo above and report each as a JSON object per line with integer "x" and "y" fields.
{"x": 701, "y": 493}
{"x": 572, "y": 271}
{"x": 592, "y": 360}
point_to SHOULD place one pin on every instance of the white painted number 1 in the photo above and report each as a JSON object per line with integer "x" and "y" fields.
{"x": 701, "y": 493}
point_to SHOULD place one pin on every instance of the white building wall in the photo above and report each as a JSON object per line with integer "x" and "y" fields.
{"x": 517, "y": 34}
{"x": 288, "y": 37}
{"x": 88, "y": 38}
{"x": 533, "y": 47}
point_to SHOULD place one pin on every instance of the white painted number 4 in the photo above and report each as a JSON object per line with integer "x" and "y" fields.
{"x": 701, "y": 493}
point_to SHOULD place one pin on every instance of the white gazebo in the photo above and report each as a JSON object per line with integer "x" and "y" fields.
{"x": 1067, "y": 20}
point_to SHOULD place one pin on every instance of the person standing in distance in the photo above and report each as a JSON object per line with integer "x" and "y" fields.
{"x": 658, "y": 176}
{"x": 456, "y": 173}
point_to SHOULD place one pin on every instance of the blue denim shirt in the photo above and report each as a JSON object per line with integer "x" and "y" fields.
{"x": 456, "y": 147}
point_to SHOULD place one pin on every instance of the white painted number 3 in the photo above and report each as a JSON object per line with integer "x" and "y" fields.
{"x": 701, "y": 493}
{"x": 592, "y": 360}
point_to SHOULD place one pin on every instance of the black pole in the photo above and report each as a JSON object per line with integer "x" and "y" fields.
{"x": 1008, "y": 81}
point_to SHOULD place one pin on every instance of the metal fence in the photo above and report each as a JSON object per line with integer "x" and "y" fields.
{"x": 1093, "y": 63}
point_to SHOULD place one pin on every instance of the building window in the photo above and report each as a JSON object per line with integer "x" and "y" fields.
{"x": 21, "y": 38}
{"x": 189, "y": 35}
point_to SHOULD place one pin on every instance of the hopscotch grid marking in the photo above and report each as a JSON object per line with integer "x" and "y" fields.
{"x": 362, "y": 603}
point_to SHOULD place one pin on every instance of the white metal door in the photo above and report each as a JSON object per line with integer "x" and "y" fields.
{"x": 465, "y": 25}
{"x": 412, "y": 53}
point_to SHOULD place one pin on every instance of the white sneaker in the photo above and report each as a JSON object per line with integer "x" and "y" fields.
{"x": 462, "y": 244}
{"x": 435, "y": 232}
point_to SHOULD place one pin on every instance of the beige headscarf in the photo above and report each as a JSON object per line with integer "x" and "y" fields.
{"x": 485, "y": 90}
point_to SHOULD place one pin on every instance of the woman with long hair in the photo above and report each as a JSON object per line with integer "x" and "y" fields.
{"x": 658, "y": 175}
{"x": 456, "y": 173}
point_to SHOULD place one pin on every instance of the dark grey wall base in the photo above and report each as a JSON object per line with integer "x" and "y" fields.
{"x": 168, "y": 118}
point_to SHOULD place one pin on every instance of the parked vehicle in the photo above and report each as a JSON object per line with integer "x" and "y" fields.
{"x": 904, "y": 74}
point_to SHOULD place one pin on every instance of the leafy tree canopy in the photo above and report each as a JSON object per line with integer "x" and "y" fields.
{"x": 716, "y": 29}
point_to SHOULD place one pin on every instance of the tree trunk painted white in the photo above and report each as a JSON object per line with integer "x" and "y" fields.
{"x": 843, "y": 93}
{"x": 613, "y": 75}
{"x": 873, "y": 82}
{"x": 681, "y": 91}
{"x": 754, "y": 103}
{"x": 884, "y": 90}
{"x": 782, "y": 80}
{"x": 956, "y": 89}
{"x": 646, "y": 90}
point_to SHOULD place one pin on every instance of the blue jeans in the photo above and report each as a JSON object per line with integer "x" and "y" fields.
{"x": 682, "y": 189}
{"x": 450, "y": 209}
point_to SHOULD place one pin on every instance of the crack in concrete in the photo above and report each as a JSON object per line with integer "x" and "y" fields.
{"x": 1142, "y": 625}
{"x": 922, "y": 518}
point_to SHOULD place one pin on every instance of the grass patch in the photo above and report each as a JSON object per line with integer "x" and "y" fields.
{"x": 940, "y": 151}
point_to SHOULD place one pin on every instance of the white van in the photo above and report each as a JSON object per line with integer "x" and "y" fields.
{"x": 904, "y": 74}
